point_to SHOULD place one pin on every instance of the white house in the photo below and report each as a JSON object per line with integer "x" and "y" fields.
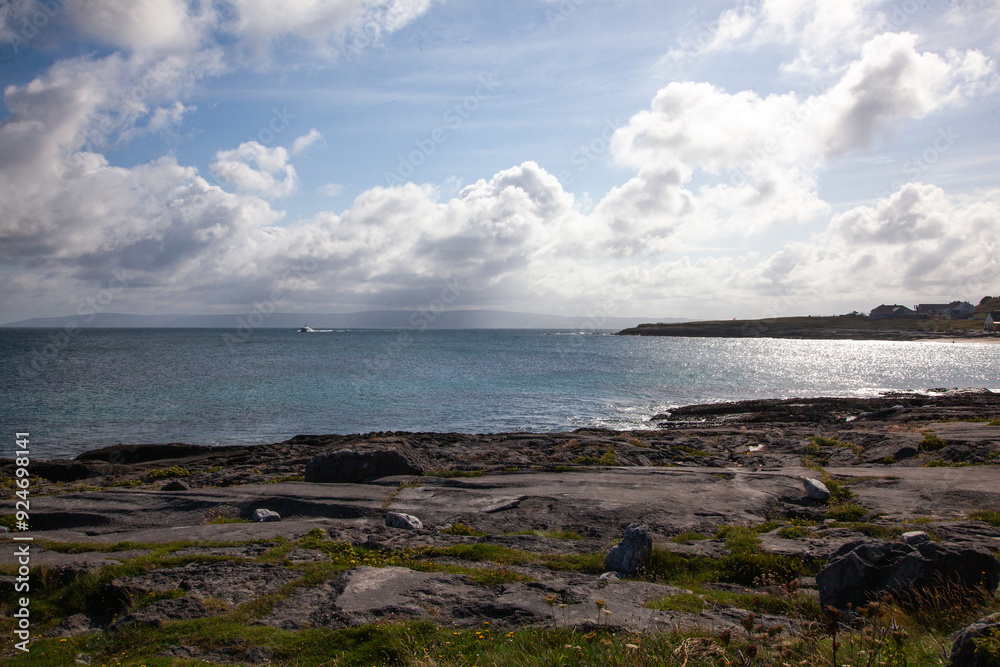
{"x": 993, "y": 321}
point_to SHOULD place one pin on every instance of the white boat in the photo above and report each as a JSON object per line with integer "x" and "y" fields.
{"x": 306, "y": 329}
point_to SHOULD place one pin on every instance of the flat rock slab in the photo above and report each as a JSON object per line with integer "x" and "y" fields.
{"x": 89, "y": 560}
{"x": 368, "y": 594}
{"x": 208, "y": 589}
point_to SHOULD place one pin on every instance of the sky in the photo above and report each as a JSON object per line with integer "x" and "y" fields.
{"x": 573, "y": 157}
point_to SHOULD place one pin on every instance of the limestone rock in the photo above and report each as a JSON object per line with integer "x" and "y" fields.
{"x": 357, "y": 466}
{"x": 400, "y": 520}
{"x": 175, "y": 485}
{"x": 916, "y": 537}
{"x": 964, "y": 651}
{"x": 816, "y": 489}
{"x": 265, "y": 515}
{"x": 863, "y": 570}
{"x": 629, "y": 555}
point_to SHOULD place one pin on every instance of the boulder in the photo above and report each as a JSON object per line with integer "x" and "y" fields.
{"x": 816, "y": 489}
{"x": 175, "y": 485}
{"x": 262, "y": 515}
{"x": 916, "y": 537}
{"x": 861, "y": 571}
{"x": 965, "y": 653}
{"x": 357, "y": 466}
{"x": 400, "y": 520}
{"x": 629, "y": 555}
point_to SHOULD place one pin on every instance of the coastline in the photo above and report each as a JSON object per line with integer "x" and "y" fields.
{"x": 506, "y": 521}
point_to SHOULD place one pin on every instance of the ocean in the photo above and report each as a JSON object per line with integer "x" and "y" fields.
{"x": 99, "y": 387}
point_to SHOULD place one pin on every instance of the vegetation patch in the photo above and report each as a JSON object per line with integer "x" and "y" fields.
{"x": 846, "y": 511}
{"x": 462, "y": 529}
{"x": 991, "y": 517}
{"x": 683, "y": 602}
{"x": 552, "y": 534}
{"x": 794, "y": 532}
{"x": 286, "y": 478}
{"x": 172, "y": 472}
{"x": 931, "y": 442}
{"x": 455, "y": 473}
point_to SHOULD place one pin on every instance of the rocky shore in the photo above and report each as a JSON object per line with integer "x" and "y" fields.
{"x": 512, "y": 530}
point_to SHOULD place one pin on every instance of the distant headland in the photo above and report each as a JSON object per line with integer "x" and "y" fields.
{"x": 953, "y": 321}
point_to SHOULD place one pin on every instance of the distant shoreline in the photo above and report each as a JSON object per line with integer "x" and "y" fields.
{"x": 844, "y": 327}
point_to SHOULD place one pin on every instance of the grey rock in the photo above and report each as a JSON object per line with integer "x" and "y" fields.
{"x": 400, "y": 520}
{"x": 861, "y": 571}
{"x": 357, "y": 466}
{"x": 916, "y": 537}
{"x": 175, "y": 485}
{"x": 965, "y": 653}
{"x": 262, "y": 515}
{"x": 631, "y": 554}
{"x": 816, "y": 489}
{"x": 78, "y": 624}
{"x": 82, "y": 659}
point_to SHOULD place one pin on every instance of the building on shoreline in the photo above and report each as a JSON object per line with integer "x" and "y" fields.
{"x": 956, "y": 310}
{"x": 992, "y": 322}
{"x": 894, "y": 311}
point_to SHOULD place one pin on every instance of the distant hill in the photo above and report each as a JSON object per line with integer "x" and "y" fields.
{"x": 988, "y": 304}
{"x": 375, "y": 319}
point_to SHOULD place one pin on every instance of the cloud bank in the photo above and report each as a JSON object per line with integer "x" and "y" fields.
{"x": 707, "y": 163}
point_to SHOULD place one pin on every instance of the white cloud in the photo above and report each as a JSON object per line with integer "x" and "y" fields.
{"x": 144, "y": 26}
{"x": 823, "y": 32}
{"x": 331, "y": 190}
{"x": 708, "y": 164}
{"x": 260, "y": 22}
{"x": 165, "y": 117}
{"x": 257, "y": 169}
{"x": 306, "y": 141}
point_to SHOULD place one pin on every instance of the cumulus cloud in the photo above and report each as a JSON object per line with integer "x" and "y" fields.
{"x": 306, "y": 141}
{"x": 257, "y": 169}
{"x": 823, "y": 32}
{"x": 706, "y": 164}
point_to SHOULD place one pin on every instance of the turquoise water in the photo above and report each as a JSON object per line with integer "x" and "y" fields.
{"x": 100, "y": 387}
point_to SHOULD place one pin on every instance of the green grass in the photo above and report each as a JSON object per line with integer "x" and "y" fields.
{"x": 286, "y": 478}
{"x": 931, "y": 442}
{"x": 846, "y": 511}
{"x": 995, "y": 422}
{"x": 462, "y": 529}
{"x": 991, "y": 517}
{"x": 172, "y": 472}
{"x": 794, "y": 532}
{"x": 552, "y": 534}
{"x": 424, "y": 644}
{"x": 683, "y": 602}
{"x": 455, "y": 473}
{"x": 839, "y": 493}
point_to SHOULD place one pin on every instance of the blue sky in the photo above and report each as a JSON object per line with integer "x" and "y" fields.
{"x": 628, "y": 157}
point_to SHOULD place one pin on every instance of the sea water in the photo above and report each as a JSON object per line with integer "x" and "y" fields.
{"x": 206, "y": 386}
